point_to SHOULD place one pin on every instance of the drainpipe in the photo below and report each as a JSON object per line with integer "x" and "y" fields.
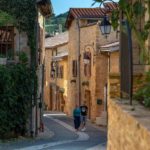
{"x": 36, "y": 67}
{"x": 78, "y": 62}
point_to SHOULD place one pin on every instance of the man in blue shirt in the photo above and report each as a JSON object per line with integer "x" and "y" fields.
{"x": 76, "y": 115}
{"x": 84, "y": 112}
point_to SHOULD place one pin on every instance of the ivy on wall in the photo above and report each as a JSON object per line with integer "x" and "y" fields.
{"x": 143, "y": 93}
{"x": 16, "y": 88}
{"x": 18, "y": 82}
{"x": 5, "y": 18}
{"x": 24, "y": 14}
{"x": 133, "y": 12}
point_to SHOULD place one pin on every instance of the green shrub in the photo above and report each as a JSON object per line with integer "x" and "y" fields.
{"x": 16, "y": 88}
{"x": 143, "y": 94}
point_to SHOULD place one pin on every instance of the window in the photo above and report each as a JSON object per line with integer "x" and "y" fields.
{"x": 52, "y": 72}
{"x": 87, "y": 64}
{"x": 7, "y": 41}
{"x": 74, "y": 68}
{"x": 92, "y": 21}
{"x": 59, "y": 71}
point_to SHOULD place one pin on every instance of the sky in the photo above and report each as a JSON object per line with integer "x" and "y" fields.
{"x": 61, "y": 6}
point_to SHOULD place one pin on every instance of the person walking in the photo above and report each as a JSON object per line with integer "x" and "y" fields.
{"x": 77, "y": 116}
{"x": 84, "y": 112}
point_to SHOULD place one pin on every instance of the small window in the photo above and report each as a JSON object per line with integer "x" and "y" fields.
{"x": 74, "y": 68}
{"x": 7, "y": 41}
{"x": 91, "y": 21}
{"x": 52, "y": 72}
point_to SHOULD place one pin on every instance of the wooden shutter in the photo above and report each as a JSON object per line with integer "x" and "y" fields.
{"x": 74, "y": 68}
{"x": 7, "y": 41}
{"x": 89, "y": 65}
{"x": 61, "y": 71}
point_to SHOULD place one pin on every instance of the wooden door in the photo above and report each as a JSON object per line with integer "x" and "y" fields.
{"x": 88, "y": 102}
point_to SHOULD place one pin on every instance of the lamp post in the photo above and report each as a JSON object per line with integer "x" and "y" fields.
{"x": 105, "y": 27}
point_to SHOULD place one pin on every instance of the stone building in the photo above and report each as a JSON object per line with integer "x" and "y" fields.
{"x": 88, "y": 66}
{"x": 56, "y": 72}
{"x": 13, "y": 42}
{"x": 44, "y": 9}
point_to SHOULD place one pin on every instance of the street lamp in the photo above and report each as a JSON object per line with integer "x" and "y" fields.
{"x": 105, "y": 26}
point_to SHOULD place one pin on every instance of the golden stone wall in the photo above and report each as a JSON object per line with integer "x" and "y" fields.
{"x": 48, "y": 57}
{"x": 127, "y": 129}
{"x": 73, "y": 55}
{"x": 90, "y": 40}
{"x": 114, "y": 85}
{"x": 61, "y": 83}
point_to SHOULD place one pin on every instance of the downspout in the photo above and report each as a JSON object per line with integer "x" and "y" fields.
{"x": 108, "y": 63}
{"x": 78, "y": 62}
{"x": 36, "y": 67}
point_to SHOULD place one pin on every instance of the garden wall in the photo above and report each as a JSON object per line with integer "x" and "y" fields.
{"x": 128, "y": 127}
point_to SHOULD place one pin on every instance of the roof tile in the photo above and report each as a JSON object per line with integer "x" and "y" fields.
{"x": 56, "y": 40}
{"x": 89, "y": 12}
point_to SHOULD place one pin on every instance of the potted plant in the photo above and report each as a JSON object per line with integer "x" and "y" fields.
{"x": 3, "y": 59}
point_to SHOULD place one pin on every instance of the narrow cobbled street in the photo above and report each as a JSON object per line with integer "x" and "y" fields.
{"x": 59, "y": 134}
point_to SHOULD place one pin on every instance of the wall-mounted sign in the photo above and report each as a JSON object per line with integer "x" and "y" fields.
{"x": 99, "y": 101}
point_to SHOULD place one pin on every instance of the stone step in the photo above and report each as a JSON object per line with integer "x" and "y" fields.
{"x": 102, "y": 120}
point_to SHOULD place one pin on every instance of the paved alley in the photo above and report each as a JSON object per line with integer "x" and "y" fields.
{"x": 62, "y": 136}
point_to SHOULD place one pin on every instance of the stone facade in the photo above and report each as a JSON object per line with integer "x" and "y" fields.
{"x": 85, "y": 37}
{"x": 47, "y": 75}
{"x": 56, "y": 85}
{"x": 114, "y": 85}
{"x": 128, "y": 129}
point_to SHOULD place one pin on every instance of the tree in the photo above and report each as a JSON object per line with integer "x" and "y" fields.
{"x": 5, "y": 18}
{"x": 133, "y": 12}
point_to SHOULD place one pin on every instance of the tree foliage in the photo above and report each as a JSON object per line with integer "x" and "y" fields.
{"x": 143, "y": 93}
{"x": 24, "y": 13}
{"x": 52, "y": 23}
{"x": 133, "y": 13}
{"x": 5, "y": 18}
{"x": 18, "y": 82}
{"x": 16, "y": 88}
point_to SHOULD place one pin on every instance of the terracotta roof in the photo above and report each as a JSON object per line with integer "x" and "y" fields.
{"x": 83, "y": 13}
{"x": 57, "y": 40}
{"x": 87, "y": 12}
